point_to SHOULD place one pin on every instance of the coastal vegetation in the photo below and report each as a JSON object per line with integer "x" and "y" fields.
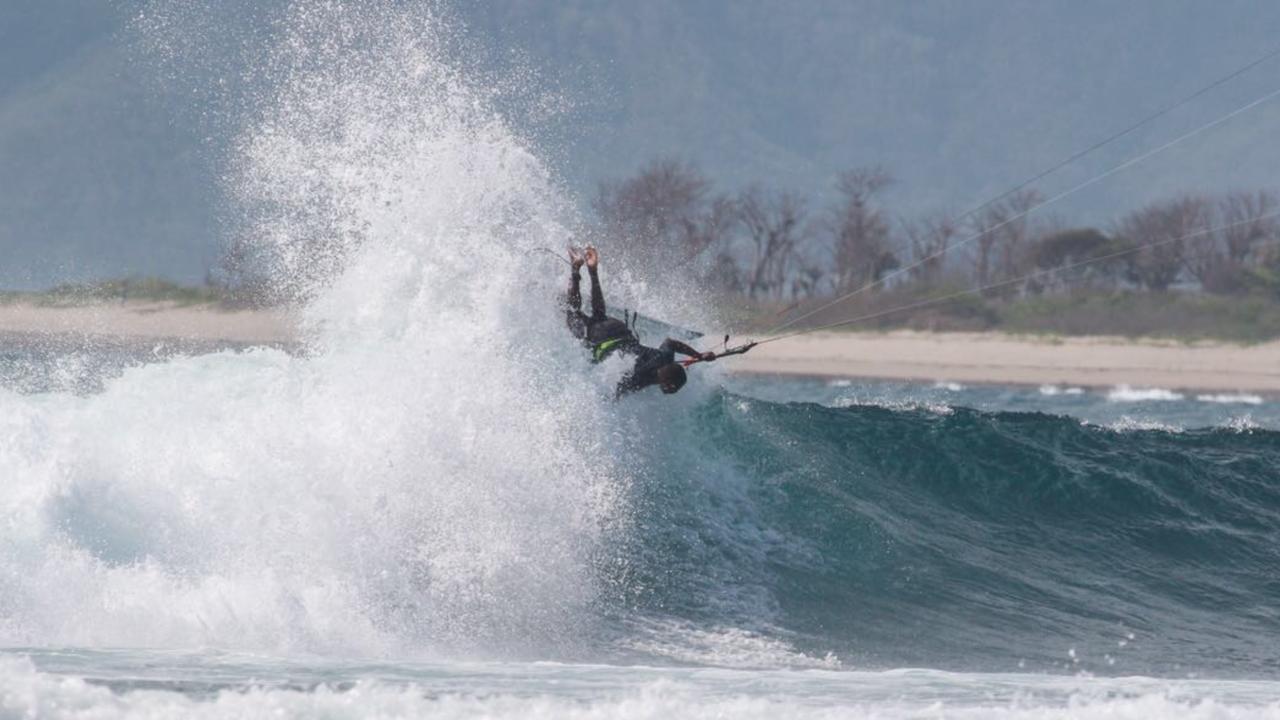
{"x": 1188, "y": 266}
{"x": 121, "y": 290}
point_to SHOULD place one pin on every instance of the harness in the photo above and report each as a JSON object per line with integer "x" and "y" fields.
{"x": 605, "y": 348}
{"x": 602, "y": 350}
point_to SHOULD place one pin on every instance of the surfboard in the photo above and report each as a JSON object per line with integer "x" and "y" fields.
{"x": 650, "y": 329}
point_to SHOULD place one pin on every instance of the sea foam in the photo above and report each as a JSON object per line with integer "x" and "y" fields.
{"x": 425, "y": 476}
{"x": 648, "y": 695}
{"x": 1125, "y": 393}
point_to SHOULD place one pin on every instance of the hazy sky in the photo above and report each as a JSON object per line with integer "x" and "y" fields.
{"x": 101, "y": 174}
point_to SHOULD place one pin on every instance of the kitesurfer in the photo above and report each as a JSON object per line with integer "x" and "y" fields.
{"x": 606, "y": 336}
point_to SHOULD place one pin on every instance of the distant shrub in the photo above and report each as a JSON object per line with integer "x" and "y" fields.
{"x": 127, "y": 289}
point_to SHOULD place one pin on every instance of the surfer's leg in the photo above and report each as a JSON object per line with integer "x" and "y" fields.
{"x": 578, "y": 323}
{"x": 573, "y": 315}
{"x": 574, "y": 298}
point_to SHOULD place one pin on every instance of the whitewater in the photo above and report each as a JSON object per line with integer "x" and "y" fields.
{"x": 435, "y": 509}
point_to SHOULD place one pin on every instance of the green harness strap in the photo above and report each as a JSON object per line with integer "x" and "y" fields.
{"x": 603, "y": 349}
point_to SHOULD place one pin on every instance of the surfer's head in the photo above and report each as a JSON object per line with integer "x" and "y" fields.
{"x": 671, "y": 377}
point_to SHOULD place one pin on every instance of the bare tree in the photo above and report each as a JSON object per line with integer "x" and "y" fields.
{"x": 665, "y": 216}
{"x": 808, "y": 281}
{"x": 1234, "y": 227}
{"x": 858, "y": 230}
{"x": 929, "y": 239}
{"x": 713, "y": 227}
{"x": 724, "y": 274}
{"x": 1204, "y": 253}
{"x": 1247, "y": 219}
{"x": 1158, "y": 234}
{"x": 1003, "y": 231}
{"x": 774, "y": 226}
{"x": 660, "y": 209}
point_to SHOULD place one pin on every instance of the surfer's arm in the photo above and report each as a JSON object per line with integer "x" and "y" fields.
{"x": 673, "y": 344}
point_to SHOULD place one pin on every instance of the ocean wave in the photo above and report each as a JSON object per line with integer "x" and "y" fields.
{"x": 1055, "y": 390}
{"x": 425, "y": 476}
{"x": 936, "y": 408}
{"x": 727, "y": 647}
{"x": 443, "y": 472}
{"x": 904, "y": 513}
{"x": 1242, "y": 423}
{"x": 1231, "y": 398}
{"x": 1125, "y": 393}
{"x": 1130, "y": 424}
{"x": 643, "y": 694}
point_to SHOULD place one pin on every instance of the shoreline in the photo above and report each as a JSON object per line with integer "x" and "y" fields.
{"x": 134, "y": 322}
{"x": 911, "y": 356}
{"x": 1267, "y": 395}
{"x": 1002, "y": 359}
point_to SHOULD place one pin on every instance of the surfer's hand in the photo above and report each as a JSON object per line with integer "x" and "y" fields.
{"x": 707, "y": 356}
{"x": 575, "y": 257}
{"x": 593, "y": 258}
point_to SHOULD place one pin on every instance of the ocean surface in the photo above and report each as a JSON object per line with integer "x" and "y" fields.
{"x": 789, "y": 548}
{"x": 436, "y": 509}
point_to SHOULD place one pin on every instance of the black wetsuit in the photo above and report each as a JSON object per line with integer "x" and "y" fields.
{"x": 606, "y": 335}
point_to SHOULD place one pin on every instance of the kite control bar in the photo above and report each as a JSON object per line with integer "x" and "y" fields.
{"x": 736, "y": 350}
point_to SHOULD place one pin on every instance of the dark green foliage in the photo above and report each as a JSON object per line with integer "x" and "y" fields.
{"x": 123, "y": 290}
{"x": 1181, "y": 315}
{"x": 1188, "y": 316}
{"x": 1069, "y": 247}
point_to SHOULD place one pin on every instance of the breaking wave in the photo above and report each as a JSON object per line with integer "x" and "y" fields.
{"x": 442, "y": 473}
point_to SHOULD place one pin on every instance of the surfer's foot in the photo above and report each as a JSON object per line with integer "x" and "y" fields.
{"x": 575, "y": 258}
{"x": 593, "y": 257}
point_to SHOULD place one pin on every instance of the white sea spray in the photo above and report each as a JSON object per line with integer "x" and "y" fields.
{"x": 425, "y": 477}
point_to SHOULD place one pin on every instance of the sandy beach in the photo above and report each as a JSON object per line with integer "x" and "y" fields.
{"x": 137, "y": 321}
{"x": 903, "y": 355}
{"x": 1007, "y": 359}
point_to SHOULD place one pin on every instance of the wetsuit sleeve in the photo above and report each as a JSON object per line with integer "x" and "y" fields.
{"x": 645, "y": 371}
{"x": 597, "y": 296}
{"x": 671, "y": 347}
